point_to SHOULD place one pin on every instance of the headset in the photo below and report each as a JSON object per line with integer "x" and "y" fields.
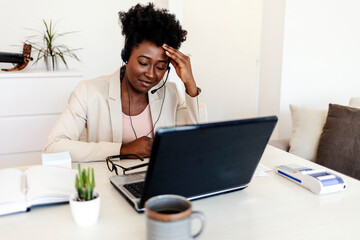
{"x": 168, "y": 71}
{"x": 125, "y": 55}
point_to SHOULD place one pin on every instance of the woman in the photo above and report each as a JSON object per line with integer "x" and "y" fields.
{"x": 119, "y": 113}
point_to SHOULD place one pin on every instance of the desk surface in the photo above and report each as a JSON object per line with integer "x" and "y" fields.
{"x": 270, "y": 208}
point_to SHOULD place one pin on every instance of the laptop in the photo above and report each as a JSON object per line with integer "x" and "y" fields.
{"x": 197, "y": 161}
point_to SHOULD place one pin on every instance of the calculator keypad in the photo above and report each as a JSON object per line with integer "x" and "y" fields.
{"x": 294, "y": 168}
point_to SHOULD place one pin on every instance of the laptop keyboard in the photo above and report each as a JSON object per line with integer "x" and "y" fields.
{"x": 136, "y": 189}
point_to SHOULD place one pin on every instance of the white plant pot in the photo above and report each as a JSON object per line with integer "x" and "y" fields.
{"x": 50, "y": 63}
{"x": 85, "y": 213}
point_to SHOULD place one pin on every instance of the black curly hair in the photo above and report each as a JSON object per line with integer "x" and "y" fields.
{"x": 147, "y": 23}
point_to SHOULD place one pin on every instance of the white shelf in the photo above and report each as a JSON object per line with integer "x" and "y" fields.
{"x": 39, "y": 74}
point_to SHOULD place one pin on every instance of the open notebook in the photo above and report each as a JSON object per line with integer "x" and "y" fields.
{"x": 38, "y": 185}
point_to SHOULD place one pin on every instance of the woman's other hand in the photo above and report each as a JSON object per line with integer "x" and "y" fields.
{"x": 182, "y": 67}
{"x": 141, "y": 147}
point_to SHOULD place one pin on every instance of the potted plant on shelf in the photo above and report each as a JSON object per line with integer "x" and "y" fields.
{"x": 85, "y": 203}
{"x": 46, "y": 43}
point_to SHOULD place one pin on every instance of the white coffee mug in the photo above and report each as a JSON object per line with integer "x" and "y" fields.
{"x": 170, "y": 217}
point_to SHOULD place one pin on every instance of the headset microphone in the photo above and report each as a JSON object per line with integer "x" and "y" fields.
{"x": 155, "y": 90}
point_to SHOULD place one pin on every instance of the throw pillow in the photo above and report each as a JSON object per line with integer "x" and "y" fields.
{"x": 339, "y": 146}
{"x": 307, "y": 125}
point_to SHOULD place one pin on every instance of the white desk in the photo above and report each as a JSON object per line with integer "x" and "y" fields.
{"x": 270, "y": 208}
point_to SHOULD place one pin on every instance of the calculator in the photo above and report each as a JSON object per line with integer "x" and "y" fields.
{"x": 318, "y": 181}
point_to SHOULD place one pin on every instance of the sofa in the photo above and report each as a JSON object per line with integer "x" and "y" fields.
{"x": 329, "y": 137}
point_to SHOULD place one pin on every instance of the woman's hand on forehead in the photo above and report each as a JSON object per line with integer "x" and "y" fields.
{"x": 182, "y": 66}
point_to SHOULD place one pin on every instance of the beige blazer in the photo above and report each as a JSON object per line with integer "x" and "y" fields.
{"x": 94, "y": 108}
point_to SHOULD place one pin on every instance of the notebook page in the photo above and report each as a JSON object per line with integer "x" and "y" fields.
{"x": 49, "y": 184}
{"x": 261, "y": 171}
{"x": 12, "y": 197}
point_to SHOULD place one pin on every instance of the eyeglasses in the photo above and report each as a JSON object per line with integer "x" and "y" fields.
{"x": 113, "y": 166}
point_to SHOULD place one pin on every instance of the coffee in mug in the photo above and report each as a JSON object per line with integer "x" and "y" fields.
{"x": 170, "y": 217}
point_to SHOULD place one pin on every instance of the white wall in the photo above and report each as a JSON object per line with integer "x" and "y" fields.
{"x": 271, "y": 46}
{"x": 223, "y": 40}
{"x": 321, "y": 56}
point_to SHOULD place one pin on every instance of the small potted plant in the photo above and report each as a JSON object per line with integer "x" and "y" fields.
{"x": 85, "y": 203}
{"x": 46, "y": 43}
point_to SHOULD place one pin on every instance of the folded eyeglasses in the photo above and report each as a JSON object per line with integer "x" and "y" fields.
{"x": 113, "y": 166}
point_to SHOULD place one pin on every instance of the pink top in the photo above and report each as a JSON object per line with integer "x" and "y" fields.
{"x": 142, "y": 124}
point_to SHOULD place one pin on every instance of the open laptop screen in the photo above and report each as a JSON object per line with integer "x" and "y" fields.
{"x": 206, "y": 158}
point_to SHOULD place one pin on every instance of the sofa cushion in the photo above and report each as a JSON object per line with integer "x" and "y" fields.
{"x": 354, "y": 102}
{"x": 307, "y": 125}
{"x": 339, "y": 145}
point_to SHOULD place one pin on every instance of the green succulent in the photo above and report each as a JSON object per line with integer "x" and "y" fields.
{"x": 85, "y": 184}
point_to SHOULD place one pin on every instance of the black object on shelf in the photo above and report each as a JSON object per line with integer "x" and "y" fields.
{"x": 21, "y": 60}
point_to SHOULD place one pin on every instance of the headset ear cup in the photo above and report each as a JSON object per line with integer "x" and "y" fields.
{"x": 125, "y": 54}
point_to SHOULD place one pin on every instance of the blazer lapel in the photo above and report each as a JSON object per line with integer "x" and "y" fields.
{"x": 114, "y": 101}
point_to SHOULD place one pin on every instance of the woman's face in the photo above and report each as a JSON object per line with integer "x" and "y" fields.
{"x": 146, "y": 66}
